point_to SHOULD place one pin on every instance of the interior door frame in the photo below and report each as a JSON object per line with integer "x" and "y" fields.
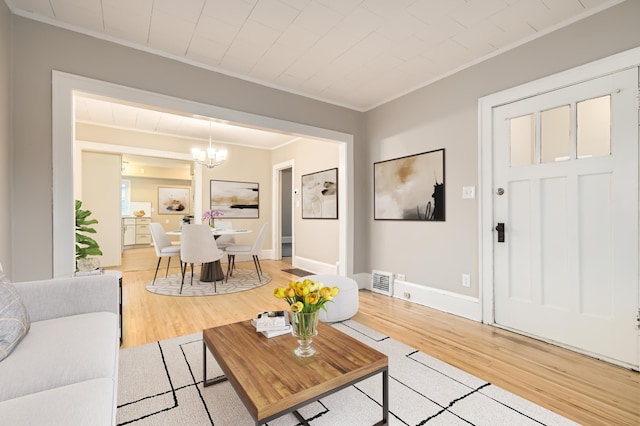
{"x": 63, "y": 150}
{"x": 590, "y": 71}
{"x": 276, "y": 204}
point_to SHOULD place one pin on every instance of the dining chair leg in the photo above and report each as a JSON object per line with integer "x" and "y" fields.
{"x": 166, "y": 274}
{"x": 259, "y": 265}
{"x": 256, "y": 262}
{"x": 192, "y": 274}
{"x": 183, "y": 269}
{"x": 231, "y": 260}
{"x": 156, "y": 274}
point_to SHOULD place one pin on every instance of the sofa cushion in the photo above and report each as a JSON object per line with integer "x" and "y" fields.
{"x": 62, "y": 351}
{"x": 14, "y": 318}
{"x": 84, "y": 403}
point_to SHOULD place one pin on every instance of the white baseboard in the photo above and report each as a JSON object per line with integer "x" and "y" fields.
{"x": 442, "y": 300}
{"x": 446, "y": 301}
{"x": 314, "y": 266}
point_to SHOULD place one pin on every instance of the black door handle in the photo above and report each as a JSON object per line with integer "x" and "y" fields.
{"x": 500, "y": 229}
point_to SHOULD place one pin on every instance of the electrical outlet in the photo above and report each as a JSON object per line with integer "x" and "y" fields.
{"x": 400, "y": 277}
{"x": 466, "y": 280}
{"x": 407, "y": 295}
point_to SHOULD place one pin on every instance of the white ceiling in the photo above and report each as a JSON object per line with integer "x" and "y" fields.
{"x": 101, "y": 111}
{"x": 354, "y": 53}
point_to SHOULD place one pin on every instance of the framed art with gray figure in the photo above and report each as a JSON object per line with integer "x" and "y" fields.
{"x": 235, "y": 200}
{"x": 320, "y": 195}
{"x": 410, "y": 188}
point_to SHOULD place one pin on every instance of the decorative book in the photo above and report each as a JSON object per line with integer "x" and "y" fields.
{"x": 273, "y": 323}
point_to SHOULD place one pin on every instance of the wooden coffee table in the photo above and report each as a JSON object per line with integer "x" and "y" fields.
{"x": 271, "y": 381}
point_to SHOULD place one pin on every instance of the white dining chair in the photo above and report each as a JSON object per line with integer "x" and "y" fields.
{"x": 253, "y": 250}
{"x": 225, "y": 240}
{"x": 198, "y": 246}
{"x": 163, "y": 247}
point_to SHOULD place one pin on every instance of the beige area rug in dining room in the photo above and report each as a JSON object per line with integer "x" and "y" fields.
{"x": 242, "y": 280}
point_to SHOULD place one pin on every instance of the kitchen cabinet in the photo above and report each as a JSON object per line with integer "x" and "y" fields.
{"x": 143, "y": 233}
{"x": 135, "y": 231}
{"x": 128, "y": 232}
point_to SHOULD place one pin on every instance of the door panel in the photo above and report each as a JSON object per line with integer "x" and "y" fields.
{"x": 568, "y": 269}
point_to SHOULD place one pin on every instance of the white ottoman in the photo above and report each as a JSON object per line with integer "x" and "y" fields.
{"x": 345, "y": 305}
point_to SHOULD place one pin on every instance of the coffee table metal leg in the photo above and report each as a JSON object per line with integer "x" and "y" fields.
{"x": 213, "y": 381}
{"x": 385, "y": 398}
{"x": 302, "y": 420}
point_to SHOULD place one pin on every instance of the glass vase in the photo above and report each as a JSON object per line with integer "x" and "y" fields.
{"x": 304, "y": 326}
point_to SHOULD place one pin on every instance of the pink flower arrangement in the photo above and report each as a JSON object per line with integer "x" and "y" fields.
{"x": 211, "y": 214}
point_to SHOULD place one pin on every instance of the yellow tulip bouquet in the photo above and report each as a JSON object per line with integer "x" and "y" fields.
{"x": 306, "y": 296}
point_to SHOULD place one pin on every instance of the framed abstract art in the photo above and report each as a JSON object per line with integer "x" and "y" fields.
{"x": 320, "y": 195}
{"x": 410, "y": 188}
{"x": 236, "y": 200}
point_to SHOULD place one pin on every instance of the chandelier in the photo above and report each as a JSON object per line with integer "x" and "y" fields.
{"x": 211, "y": 157}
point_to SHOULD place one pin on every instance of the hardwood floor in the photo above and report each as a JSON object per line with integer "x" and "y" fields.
{"x": 586, "y": 390}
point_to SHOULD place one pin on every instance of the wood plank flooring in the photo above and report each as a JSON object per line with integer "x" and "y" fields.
{"x": 586, "y": 390}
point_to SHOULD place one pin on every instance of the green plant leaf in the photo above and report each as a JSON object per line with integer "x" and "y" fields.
{"x": 85, "y": 245}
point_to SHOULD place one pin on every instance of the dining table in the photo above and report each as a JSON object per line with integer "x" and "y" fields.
{"x": 212, "y": 271}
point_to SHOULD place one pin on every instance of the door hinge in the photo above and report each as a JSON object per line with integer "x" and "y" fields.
{"x": 638, "y": 319}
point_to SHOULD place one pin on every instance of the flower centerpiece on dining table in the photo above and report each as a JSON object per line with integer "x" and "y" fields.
{"x": 210, "y": 215}
{"x": 305, "y": 299}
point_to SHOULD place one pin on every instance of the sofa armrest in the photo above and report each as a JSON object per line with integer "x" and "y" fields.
{"x": 60, "y": 297}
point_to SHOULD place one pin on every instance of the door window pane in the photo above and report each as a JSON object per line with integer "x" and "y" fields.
{"x": 594, "y": 127}
{"x": 555, "y": 134}
{"x": 522, "y": 140}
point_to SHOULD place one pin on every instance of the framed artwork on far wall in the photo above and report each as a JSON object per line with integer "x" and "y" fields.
{"x": 410, "y": 188}
{"x": 174, "y": 200}
{"x": 235, "y": 200}
{"x": 320, "y": 195}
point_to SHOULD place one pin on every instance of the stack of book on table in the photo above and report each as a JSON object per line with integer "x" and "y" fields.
{"x": 273, "y": 323}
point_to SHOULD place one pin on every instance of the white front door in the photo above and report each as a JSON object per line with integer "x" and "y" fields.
{"x": 565, "y": 174}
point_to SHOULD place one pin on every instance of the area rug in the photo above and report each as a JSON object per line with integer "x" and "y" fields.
{"x": 242, "y": 280}
{"x": 161, "y": 384}
{"x": 298, "y": 272}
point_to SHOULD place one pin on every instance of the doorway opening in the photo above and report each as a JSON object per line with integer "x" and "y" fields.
{"x": 64, "y": 151}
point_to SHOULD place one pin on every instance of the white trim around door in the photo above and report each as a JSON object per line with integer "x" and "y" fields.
{"x": 486, "y": 106}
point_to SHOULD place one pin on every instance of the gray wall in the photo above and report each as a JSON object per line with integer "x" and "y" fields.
{"x": 441, "y": 115}
{"x": 5, "y": 137}
{"x": 40, "y": 48}
{"x": 445, "y": 115}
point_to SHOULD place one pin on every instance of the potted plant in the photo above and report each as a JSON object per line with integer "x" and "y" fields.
{"x": 85, "y": 245}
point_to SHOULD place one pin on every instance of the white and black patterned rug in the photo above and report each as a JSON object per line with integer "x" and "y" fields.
{"x": 161, "y": 384}
{"x": 242, "y": 280}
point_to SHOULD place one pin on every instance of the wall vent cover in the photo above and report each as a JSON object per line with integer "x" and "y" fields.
{"x": 382, "y": 282}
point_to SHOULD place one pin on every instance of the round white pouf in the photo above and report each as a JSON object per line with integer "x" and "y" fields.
{"x": 345, "y": 305}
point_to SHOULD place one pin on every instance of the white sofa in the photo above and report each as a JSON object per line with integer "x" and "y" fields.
{"x": 64, "y": 371}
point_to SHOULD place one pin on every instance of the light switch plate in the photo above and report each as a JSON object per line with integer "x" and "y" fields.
{"x": 468, "y": 192}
